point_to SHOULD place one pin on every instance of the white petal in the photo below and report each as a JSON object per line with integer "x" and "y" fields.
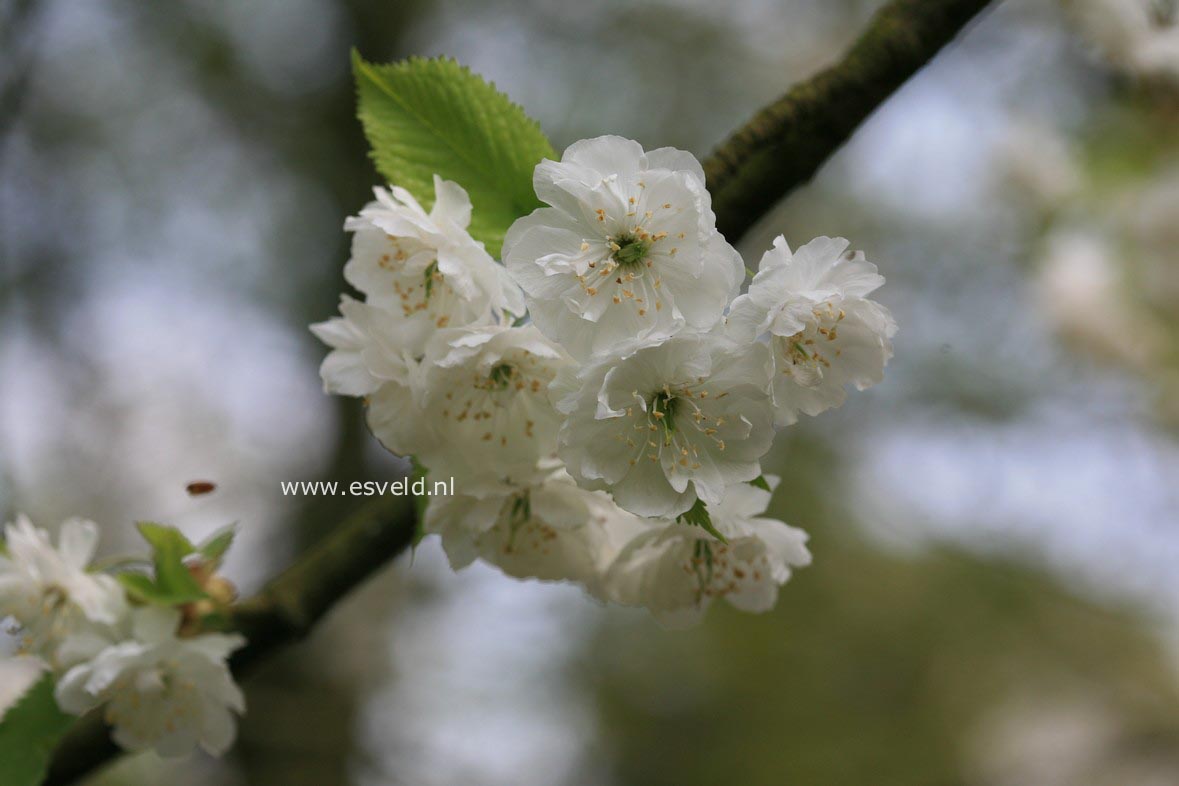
{"x": 676, "y": 160}
{"x": 218, "y": 728}
{"x": 77, "y": 542}
{"x": 606, "y": 154}
{"x": 451, "y": 203}
{"x": 71, "y": 694}
{"x": 155, "y": 624}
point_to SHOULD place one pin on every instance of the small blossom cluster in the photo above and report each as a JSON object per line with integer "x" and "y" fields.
{"x": 604, "y": 397}
{"x": 161, "y": 685}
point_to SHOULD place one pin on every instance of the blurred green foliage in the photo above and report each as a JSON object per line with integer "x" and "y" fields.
{"x": 878, "y": 667}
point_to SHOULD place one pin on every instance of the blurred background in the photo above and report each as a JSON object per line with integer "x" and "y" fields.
{"x": 995, "y": 594}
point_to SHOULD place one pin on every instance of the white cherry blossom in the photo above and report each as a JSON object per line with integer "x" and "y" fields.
{"x": 49, "y": 591}
{"x": 370, "y": 347}
{"x": 161, "y": 692}
{"x": 552, "y": 531}
{"x": 628, "y": 251}
{"x": 669, "y": 423}
{"x": 676, "y": 570}
{"x": 480, "y": 409}
{"x": 823, "y": 330}
{"x": 425, "y": 267}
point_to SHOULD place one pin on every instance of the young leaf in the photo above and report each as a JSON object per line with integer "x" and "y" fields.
{"x": 214, "y": 547}
{"x": 142, "y": 588}
{"x": 162, "y": 536}
{"x": 29, "y": 731}
{"x": 174, "y": 583}
{"x": 426, "y": 117}
{"x": 698, "y": 516}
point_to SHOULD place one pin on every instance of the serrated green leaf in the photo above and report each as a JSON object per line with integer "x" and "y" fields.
{"x": 426, "y": 117}
{"x": 29, "y": 732}
{"x": 760, "y": 482}
{"x": 216, "y": 545}
{"x": 698, "y": 516}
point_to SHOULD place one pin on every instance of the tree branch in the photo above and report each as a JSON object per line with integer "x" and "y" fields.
{"x": 285, "y": 611}
{"x": 780, "y": 148}
{"x": 785, "y": 143}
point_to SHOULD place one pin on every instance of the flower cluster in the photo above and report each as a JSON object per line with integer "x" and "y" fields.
{"x": 603, "y": 399}
{"x": 161, "y": 685}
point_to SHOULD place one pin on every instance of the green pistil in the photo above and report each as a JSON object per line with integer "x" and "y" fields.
{"x": 663, "y": 408}
{"x": 518, "y": 515}
{"x": 431, "y": 269}
{"x": 521, "y": 510}
{"x": 631, "y": 251}
{"x": 501, "y": 376}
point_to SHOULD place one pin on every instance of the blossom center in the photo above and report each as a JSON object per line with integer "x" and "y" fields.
{"x": 500, "y": 376}
{"x": 663, "y": 409}
{"x": 630, "y": 251}
{"x": 53, "y": 598}
{"x": 811, "y": 349}
{"x": 674, "y": 421}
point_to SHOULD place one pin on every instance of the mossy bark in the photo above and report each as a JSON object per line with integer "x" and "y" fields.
{"x": 785, "y": 143}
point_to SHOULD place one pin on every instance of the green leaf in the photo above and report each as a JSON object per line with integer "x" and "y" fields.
{"x": 142, "y": 588}
{"x": 426, "y": 117}
{"x": 162, "y": 536}
{"x": 173, "y": 582}
{"x": 29, "y": 732}
{"x": 760, "y": 482}
{"x": 216, "y": 545}
{"x": 698, "y": 516}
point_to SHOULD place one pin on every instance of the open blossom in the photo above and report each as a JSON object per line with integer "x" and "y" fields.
{"x": 48, "y": 591}
{"x": 552, "y": 531}
{"x": 677, "y": 570}
{"x": 669, "y": 423}
{"x": 480, "y": 411}
{"x": 824, "y": 332}
{"x": 160, "y": 691}
{"x": 370, "y": 347}
{"x": 424, "y": 267}
{"x": 628, "y": 251}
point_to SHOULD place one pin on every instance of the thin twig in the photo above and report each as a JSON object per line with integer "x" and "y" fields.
{"x": 785, "y": 143}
